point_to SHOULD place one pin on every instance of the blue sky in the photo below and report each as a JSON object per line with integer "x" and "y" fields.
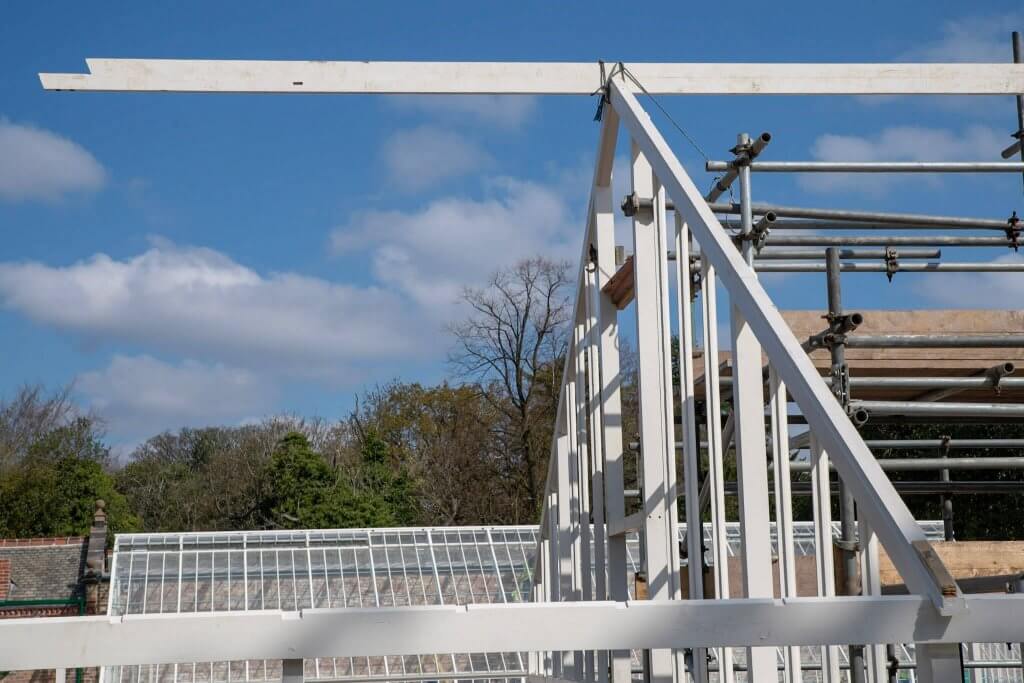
{"x": 205, "y": 259}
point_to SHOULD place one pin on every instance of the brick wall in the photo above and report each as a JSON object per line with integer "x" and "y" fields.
{"x": 50, "y": 676}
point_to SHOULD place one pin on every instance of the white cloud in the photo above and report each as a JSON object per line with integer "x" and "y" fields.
{"x": 38, "y": 164}
{"x": 979, "y": 38}
{"x": 138, "y": 396}
{"x": 198, "y": 302}
{"x": 975, "y": 290}
{"x": 423, "y": 157}
{"x": 431, "y": 253}
{"x": 501, "y": 111}
{"x": 898, "y": 143}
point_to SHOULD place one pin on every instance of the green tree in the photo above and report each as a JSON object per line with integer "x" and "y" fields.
{"x": 383, "y": 487}
{"x": 54, "y": 492}
{"x": 304, "y": 492}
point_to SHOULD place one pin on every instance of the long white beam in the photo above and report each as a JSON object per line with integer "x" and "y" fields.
{"x": 69, "y": 642}
{"x": 535, "y": 78}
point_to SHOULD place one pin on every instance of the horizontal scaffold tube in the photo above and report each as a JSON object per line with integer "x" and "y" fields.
{"x": 784, "y": 226}
{"x": 913, "y": 445}
{"x": 886, "y": 241}
{"x": 958, "y": 444}
{"x": 803, "y": 488}
{"x": 769, "y": 266}
{"x": 923, "y": 383}
{"x": 772, "y": 254}
{"x": 904, "y": 220}
{"x": 813, "y": 254}
{"x": 848, "y": 266}
{"x": 873, "y": 166}
{"x": 935, "y": 341}
{"x": 940, "y": 409}
{"x": 933, "y": 464}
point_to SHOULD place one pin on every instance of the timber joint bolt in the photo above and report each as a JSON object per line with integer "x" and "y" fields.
{"x": 632, "y": 205}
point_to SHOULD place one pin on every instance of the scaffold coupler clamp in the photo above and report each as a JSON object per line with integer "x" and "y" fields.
{"x": 892, "y": 263}
{"x": 1013, "y": 231}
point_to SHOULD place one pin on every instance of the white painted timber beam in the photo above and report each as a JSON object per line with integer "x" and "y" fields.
{"x": 876, "y": 496}
{"x": 71, "y": 642}
{"x": 535, "y": 78}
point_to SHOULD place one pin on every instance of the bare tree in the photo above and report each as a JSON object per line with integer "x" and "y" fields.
{"x": 31, "y": 413}
{"x": 512, "y": 343}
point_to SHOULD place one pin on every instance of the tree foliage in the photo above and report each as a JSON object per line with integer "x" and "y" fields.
{"x": 61, "y": 471}
{"x": 513, "y": 344}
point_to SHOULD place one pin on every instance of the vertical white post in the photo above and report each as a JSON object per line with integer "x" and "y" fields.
{"x": 582, "y": 459}
{"x": 60, "y": 675}
{"x": 938, "y": 663}
{"x": 572, "y": 497}
{"x": 592, "y": 304}
{"x": 751, "y": 455}
{"x": 784, "y": 510}
{"x": 716, "y": 465}
{"x": 821, "y": 502}
{"x": 609, "y": 384}
{"x": 566, "y": 551}
{"x": 871, "y": 585}
{"x": 554, "y": 566}
{"x": 657, "y": 438}
{"x": 691, "y": 442}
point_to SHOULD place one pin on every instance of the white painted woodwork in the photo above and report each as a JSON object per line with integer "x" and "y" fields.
{"x": 535, "y": 78}
{"x": 783, "y": 509}
{"x": 71, "y": 642}
{"x": 657, "y": 438}
{"x": 688, "y": 432}
{"x": 716, "y": 463}
{"x": 821, "y": 504}
{"x": 878, "y": 500}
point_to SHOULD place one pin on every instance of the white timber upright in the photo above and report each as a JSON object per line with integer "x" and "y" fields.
{"x": 751, "y": 454}
{"x": 581, "y": 623}
{"x": 657, "y": 440}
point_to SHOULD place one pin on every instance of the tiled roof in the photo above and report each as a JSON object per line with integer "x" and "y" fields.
{"x": 44, "y": 569}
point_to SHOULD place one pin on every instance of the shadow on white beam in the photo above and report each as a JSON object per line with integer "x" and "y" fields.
{"x": 70, "y": 642}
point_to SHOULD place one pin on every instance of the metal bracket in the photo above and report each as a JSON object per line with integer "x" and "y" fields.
{"x": 841, "y": 383}
{"x": 851, "y": 546}
{"x": 1013, "y": 231}
{"x": 843, "y": 324}
{"x": 892, "y": 263}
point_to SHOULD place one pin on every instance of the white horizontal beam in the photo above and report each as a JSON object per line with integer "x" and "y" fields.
{"x": 70, "y": 642}
{"x": 535, "y": 78}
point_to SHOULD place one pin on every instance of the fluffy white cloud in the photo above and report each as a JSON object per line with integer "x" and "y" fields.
{"x": 898, "y": 143}
{"x": 980, "y": 38}
{"x": 38, "y": 164}
{"x": 199, "y": 303}
{"x": 425, "y": 156}
{"x": 431, "y": 253}
{"x": 502, "y": 111}
{"x": 138, "y": 396}
{"x": 975, "y": 290}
